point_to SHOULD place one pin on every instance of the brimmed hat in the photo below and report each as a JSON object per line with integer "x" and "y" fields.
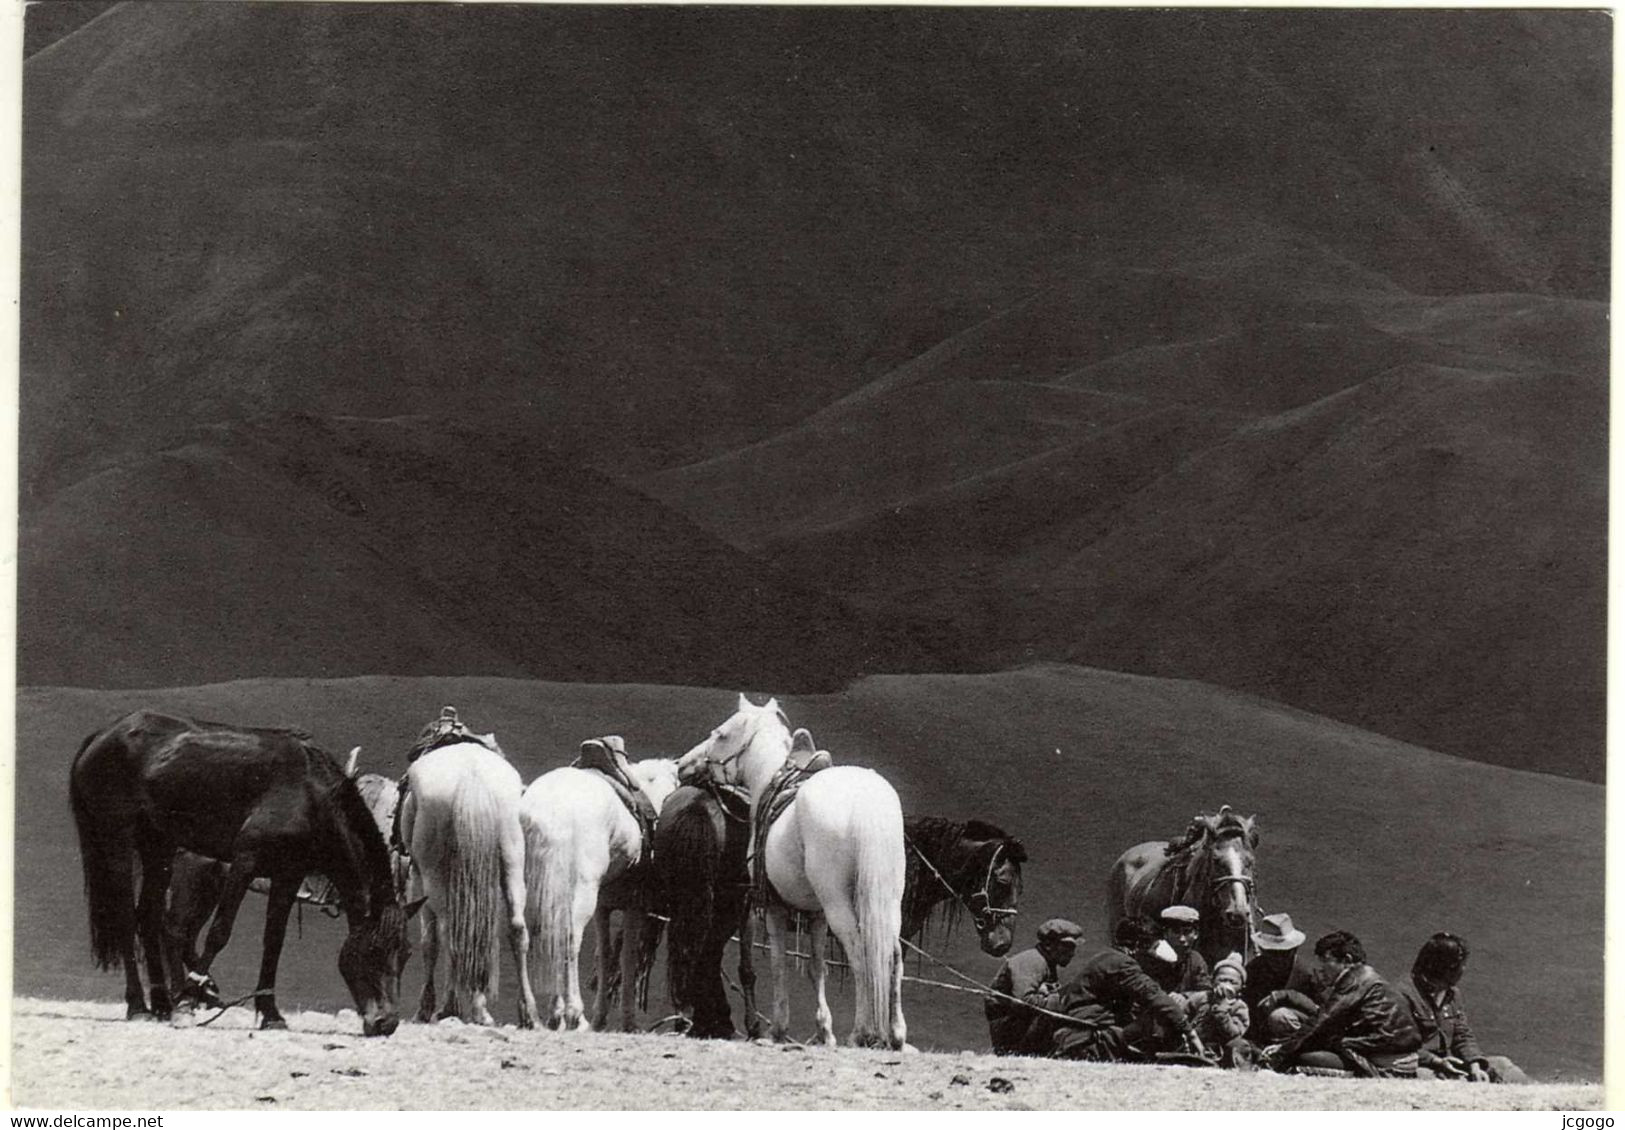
{"x": 1275, "y": 932}
{"x": 1059, "y": 930}
{"x": 1232, "y": 961}
{"x": 1186, "y": 914}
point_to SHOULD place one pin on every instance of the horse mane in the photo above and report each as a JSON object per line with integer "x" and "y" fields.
{"x": 957, "y": 850}
{"x": 356, "y": 814}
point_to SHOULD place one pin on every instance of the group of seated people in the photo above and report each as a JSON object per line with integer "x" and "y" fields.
{"x": 1152, "y": 997}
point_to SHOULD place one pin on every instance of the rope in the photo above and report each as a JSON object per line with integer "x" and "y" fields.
{"x": 234, "y": 1004}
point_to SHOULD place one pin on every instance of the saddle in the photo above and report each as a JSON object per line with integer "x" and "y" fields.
{"x": 449, "y": 730}
{"x": 805, "y": 759}
{"x": 607, "y": 756}
{"x": 444, "y": 730}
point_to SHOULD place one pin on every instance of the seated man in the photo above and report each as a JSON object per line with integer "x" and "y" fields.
{"x": 1219, "y": 1015}
{"x": 1032, "y": 976}
{"x": 1279, "y": 993}
{"x": 1364, "y": 1024}
{"x": 1188, "y": 972}
{"x": 1449, "y": 1049}
{"x": 1116, "y": 1008}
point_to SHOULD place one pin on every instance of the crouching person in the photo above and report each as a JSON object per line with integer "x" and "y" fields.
{"x": 1032, "y": 977}
{"x": 1449, "y": 1048}
{"x": 1220, "y": 1017}
{"x": 1118, "y": 1012}
{"x": 1364, "y": 1025}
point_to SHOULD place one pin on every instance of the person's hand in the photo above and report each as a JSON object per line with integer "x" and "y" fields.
{"x": 1478, "y": 1071}
{"x": 1451, "y": 1066}
{"x": 1270, "y": 1001}
{"x": 1224, "y": 990}
{"x": 1270, "y": 1057}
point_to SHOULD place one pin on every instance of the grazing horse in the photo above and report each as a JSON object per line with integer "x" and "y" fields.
{"x": 971, "y": 866}
{"x": 196, "y": 881}
{"x": 269, "y": 803}
{"x": 583, "y": 847}
{"x": 834, "y": 853}
{"x": 459, "y": 821}
{"x": 1210, "y": 868}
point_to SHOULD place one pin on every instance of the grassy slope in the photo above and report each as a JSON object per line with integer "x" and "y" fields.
{"x": 1360, "y": 832}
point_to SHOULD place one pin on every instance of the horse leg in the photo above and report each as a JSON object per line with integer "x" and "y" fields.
{"x": 513, "y": 889}
{"x": 820, "y": 970}
{"x": 121, "y": 879}
{"x": 632, "y": 927}
{"x": 238, "y": 876}
{"x": 606, "y": 954}
{"x": 843, "y": 923}
{"x": 776, "y": 924}
{"x": 747, "y": 971}
{"x": 431, "y": 958}
{"x": 583, "y": 905}
{"x": 277, "y": 909}
{"x": 899, "y": 1027}
{"x": 156, "y": 860}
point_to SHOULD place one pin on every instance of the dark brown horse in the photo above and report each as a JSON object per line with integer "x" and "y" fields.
{"x": 196, "y": 882}
{"x": 700, "y": 846}
{"x": 1209, "y": 868}
{"x": 269, "y": 803}
{"x": 958, "y": 867}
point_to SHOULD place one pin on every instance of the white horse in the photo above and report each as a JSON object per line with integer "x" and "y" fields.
{"x": 836, "y": 854}
{"x": 579, "y": 840}
{"x": 460, "y": 823}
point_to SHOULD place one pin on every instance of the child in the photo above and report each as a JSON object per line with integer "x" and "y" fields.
{"x": 1219, "y": 1016}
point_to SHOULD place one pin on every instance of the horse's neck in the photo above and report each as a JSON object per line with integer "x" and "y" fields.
{"x": 764, "y": 758}
{"x": 363, "y": 887}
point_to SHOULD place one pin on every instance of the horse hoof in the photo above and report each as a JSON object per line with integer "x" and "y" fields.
{"x": 273, "y": 1024}
{"x": 140, "y": 1014}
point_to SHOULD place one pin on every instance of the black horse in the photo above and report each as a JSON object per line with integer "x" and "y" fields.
{"x": 700, "y": 846}
{"x": 269, "y": 803}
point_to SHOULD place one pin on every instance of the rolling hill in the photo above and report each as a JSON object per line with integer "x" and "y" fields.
{"x": 1086, "y": 763}
{"x": 301, "y": 546}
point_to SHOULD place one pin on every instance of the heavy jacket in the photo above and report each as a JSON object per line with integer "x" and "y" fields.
{"x": 1031, "y": 977}
{"x": 1108, "y": 992}
{"x": 1364, "y": 1015}
{"x": 1189, "y": 974}
{"x": 1443, "y": 1027}
{"x": 1268, "y": 974}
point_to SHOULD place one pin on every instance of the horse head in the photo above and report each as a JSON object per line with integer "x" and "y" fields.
{"x": 994, "y": 907}
{"x": 656, "y": 776}
{"x": 1226, "y": 848}
{"x": 745, "y": 749}
{"x": 371, "y": 960}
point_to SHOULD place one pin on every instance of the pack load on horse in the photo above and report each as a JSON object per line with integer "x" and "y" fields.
{"x": 1210, "y": 868}
{"x": 196, "y": 881}
{"x": 459, "y": 822}
{"x": 267, "y": 802}
{"x": 833, "y": 851}
{"x": 587, "y": 829}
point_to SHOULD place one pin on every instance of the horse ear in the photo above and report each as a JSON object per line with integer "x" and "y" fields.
{"x": 744, "y": 703}
{"x": 350, "y": 765}
{"x": 1252, "y": 831}
{"x": 773, "y": 705}
{"x": 413, "y": 907}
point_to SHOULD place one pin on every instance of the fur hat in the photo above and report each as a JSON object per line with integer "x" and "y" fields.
{"x": 1231, "y": 961}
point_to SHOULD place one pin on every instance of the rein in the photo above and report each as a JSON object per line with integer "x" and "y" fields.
{"x": 988, "y": 909}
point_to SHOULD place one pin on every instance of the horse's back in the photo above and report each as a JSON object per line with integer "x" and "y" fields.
{"x": 849, "y": 796}
{"x": 1132, "y": 877}
{"x": 438, "y": 774}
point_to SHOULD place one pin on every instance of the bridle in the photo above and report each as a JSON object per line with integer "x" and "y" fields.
{"x": 986, "y": 915}
{"x": 713, "y": 764}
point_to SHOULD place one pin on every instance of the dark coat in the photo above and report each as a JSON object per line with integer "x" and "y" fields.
{"x": 1443, "y": 1027}
{"x": 1108, "y": 992}
{"x": 1364, "y": 1015}
{"x": 1031, "y": 977}
{"x": 1190, "y": 974}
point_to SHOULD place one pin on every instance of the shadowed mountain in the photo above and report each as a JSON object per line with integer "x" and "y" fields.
{"x": 298, "y": 546}
{"x": 1384, "y": 508}
{"x": 1086, "y": 763}
{"x": 661, "y": 232}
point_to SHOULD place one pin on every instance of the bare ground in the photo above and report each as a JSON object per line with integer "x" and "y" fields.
{"x": 83, "y": 1056}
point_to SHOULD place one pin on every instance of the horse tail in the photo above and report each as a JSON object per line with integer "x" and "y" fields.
{"x": 475, "y": 918}
{"x": 689, "y": 849}
{"x": 550, "y": 883}
{"x": 107, "y": 856}
{"x": 881, "y": 866}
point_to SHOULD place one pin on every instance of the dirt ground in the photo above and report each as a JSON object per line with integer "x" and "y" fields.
{"x": 73, "y": 1055}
